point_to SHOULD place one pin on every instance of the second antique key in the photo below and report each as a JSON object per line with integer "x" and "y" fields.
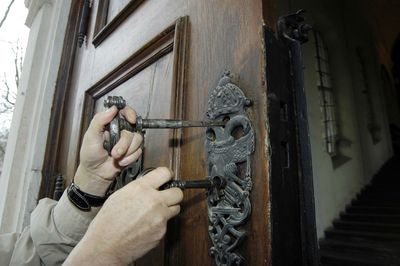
{"x": 208, "y": 183}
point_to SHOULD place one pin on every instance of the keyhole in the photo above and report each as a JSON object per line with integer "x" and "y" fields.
{"x": 285, "y": 154}
{"x": 238, "y": 132}
{"x": 210, "y": 134}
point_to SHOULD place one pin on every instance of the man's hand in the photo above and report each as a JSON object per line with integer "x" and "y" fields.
{"x": 132, "y": 221}
{"x": 97, "y": 169}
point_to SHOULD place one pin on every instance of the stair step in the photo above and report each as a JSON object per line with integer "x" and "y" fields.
{"x": 380, "y": 197}
{"x": 386, "y": 184}
{"x": 340, "y": 259}
{"x": 380, "y": 189}
{"x": 376, "y": 203}
{"x": 391, "y": 250}
{"x": 362, "y": 235}
{"x": 373, "y": 209}
{"x": 366, "y": 226}
{"x": 380, "y": 252}
{"x": 368, "y": 232}
{"x": 369, "y": 217}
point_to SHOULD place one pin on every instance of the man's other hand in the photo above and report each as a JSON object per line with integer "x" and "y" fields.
{"x": 132, "y": 221}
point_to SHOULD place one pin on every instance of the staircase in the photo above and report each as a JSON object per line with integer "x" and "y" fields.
{"x": 367, "y": 233}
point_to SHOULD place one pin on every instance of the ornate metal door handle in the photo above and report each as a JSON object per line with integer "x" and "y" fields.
{"x": 227, "y": 152}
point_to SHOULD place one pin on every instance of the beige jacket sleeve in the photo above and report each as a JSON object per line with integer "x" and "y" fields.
{"x": 55, "y": 229}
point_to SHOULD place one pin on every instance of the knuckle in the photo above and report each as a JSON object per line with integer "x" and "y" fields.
{"x": 159, "y": 220}
{"x": 178, "y": 209}
{"x": 134, "y": 156}
{"x": 164, "y": 171}
{"x": 138, "y": 137}
{"x": 139, "y": 185}
{"x": 125, "y": 133}
{"x": 179, "y": 193}
{"x": 138, "y": 152}
{"x": 155, "y": 204}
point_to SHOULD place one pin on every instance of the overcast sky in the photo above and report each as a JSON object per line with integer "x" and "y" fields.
{"x": 13, "y": 30}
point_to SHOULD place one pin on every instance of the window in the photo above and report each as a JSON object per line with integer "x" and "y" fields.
{"x": 327, "y": 96}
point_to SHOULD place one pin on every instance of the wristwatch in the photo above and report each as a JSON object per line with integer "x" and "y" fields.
{"x": 82, "y": 200}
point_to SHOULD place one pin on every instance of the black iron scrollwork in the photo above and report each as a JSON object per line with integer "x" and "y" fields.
{"x": 229, "y": 206}
{"x": 294, "y": 27}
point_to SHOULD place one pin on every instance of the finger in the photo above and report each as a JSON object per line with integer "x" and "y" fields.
{"x": 131, "y": 158}
{"x": 129, "y": 114}
{"x": 172, "y": 196}
{"x": 101, "y": 119}
{"x": 157, "y": 177}
{"x": 174, "y": 211}
{"x": 106, "y": 136}
{"x": 122, "y": 145}
{"x": 135, "y": 143}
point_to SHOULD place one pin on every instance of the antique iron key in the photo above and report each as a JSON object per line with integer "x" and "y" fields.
{"x": 208, "y": 183}
{"x": 119, "y": 123}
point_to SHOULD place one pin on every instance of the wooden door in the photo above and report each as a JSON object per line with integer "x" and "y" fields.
{"x": 164, "y": 57}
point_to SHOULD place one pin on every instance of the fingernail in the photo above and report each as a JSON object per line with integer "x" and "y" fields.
{"x": 120, "y": 151}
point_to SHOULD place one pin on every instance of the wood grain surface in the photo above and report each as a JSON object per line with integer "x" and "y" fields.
{"x": 164, "y": 58}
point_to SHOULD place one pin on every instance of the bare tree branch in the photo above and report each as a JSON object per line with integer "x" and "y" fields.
{"x": 8, "y": 95}
{"x": 16, "y": 64}
{"x": 6, "y": 13}
{"x": 8, "y": 92}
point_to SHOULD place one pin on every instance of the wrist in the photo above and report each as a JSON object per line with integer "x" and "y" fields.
{"x": 88, "y": 252}
{"x": 90, "y": 183}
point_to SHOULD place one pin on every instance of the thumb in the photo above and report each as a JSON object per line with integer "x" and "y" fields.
{"x": 100, "y": 120}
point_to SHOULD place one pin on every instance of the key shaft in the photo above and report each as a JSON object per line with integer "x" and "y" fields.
{"x": 142, "y": 123}
{"x": 208, "y": 184}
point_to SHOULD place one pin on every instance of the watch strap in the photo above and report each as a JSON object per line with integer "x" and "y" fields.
{"x": 82, "y": 200}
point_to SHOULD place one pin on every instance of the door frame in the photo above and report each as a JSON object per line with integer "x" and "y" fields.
{"x": 60, "y": 101}
{"x": 291, "y": 177}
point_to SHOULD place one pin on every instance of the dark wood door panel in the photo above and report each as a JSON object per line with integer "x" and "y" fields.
{"x": 147, "y": 21}
{"x": 149, "y": 60}
{"x": 109, "y": 15}
{"x": 150, "y": 93}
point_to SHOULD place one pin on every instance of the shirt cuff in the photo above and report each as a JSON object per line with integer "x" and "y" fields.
{"x": 71, "y": 221}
